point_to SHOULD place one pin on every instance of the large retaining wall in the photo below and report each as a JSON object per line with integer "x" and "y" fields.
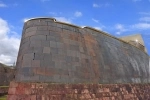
{"x": 45, "y": 91}
{"x": 52, "y": 51}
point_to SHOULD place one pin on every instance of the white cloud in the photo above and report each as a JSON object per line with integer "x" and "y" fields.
{"x": 15, "y": 4}
{"x": 3, "y": 5}
{"x": 98, "y": 28}
{"x": 95, "y": 5}
{"x": 146, "y": 19}
{"x": 136, "y": 0}
{"x": 102, "y": 5}
{"x": 25, "y": 19}
{"x": 63, "y": 19}
{"x": 144, "y": 13}
{"x": 45, "y": 0}
{"x": 95, "y": 20}
{"x": 55, "y": 13}
{"x": 120, "y": 28}
{"x": 52, "y": 13}
{"x": 78, "y": 14}
{"x": 107, "y": 5}
{"x": 142, "y": 26}
{"x": 9, "y": 45}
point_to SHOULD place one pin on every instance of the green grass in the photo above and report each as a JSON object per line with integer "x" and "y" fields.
{"x": 3, "y": 97}
{"x": 4, "y": 86}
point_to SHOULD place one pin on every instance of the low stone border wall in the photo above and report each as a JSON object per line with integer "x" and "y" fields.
{"x": 51, "y": 91}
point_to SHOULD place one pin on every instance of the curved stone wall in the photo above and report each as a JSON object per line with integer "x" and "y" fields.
{"x": 52, "y": 51}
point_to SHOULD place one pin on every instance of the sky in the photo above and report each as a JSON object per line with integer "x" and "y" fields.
{"x": 116, "y": 17}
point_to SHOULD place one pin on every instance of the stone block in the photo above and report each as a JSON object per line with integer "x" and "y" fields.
{"x": 53, "y": 44}
{"x": 35, "y": 44}
{"x": 51, "y": 24}
{"x": 25, "y": 45}
{"x": 54, "y": 50}
{"x": 34, "y": 78}
{"x": 33, "y": 97}
{"x": 48, "y": 57}
{"x": 59, "y": 45}
{"x": 42, "y": 32}
{"x": 39, "y": 56}
{"x": 35, "y": 63}
{"x": 32, "y": 33}
{"x": 68, "y": 59}
{"x": 42, "y": 28}
{"x": 59, "y": 25}
{"x": 38, "y": 50}
{"x": 40, "y": 22}
{"x": 55, "y": 34}
{"x": 38, "y": 38}
{"x": 26, "y": 70}
{"x": 57, "y": 78}
{"x": 12, "y": 91}
{"x": 29, "y": 50}
{"x": 12, "y": 97}
{"x": 61, "y": 52}
{"x": 74, "y": 47}
{"x": 34, "y": 28}
{"x": 59, "y": 30}
{"x": 26, "y": 62}
{"x": 13, "y": 84}
{"x": 51, "y": 38}
{"x": 42, "y": 78}
{"x": 47, "y": 63}
{"x": 59, "y": 39}
{"x": 24, "y": 40}
{"x": 67, "y": 27}
{"x": 46, "y": 50}
{"x": 52, "y": 28}
{"x": 45, "y": 43}
{"x": 30, "y": 23}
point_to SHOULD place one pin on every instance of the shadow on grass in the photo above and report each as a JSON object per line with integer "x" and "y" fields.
{"x": 3, "y": 97}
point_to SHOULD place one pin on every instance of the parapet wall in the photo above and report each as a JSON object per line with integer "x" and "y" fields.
{"x": 56, "y": 52}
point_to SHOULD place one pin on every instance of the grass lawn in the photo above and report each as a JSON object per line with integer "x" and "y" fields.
{"x": 3, "y": 97}
{"x": 4, "y": 86}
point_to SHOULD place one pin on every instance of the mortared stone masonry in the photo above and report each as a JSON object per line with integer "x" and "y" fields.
{"x": 54, "y": 91}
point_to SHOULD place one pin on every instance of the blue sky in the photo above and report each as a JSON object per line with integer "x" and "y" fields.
{"x": 117, "y": 17}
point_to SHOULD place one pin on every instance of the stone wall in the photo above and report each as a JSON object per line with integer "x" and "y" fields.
{"x": 6, "y": 75}
{"x": 52, "y": 51}
{"x": 47, "y": 91}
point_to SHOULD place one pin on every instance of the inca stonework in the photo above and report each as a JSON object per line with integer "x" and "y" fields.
{"x": 56, "y": 53}
{"x": 51, "y": 51}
